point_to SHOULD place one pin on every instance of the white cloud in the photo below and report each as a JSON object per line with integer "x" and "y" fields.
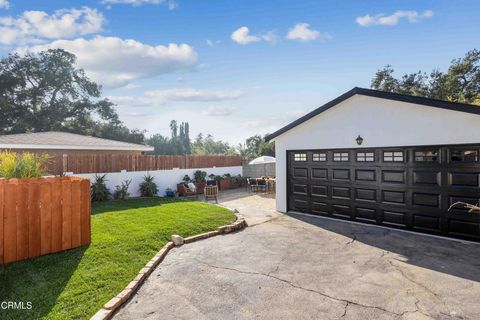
{"x": 166, "y": 96}
{"x": 170, "y": 3}
{"x": 392, "y": 20}
{"x": 218, "y": 111}
{"x": 302, "y": 32}
{"x": 242, "y": 36}
{"x": 39, "y": 26}
{"x": 114, "y": 62}
{"x": 4, "y": 4}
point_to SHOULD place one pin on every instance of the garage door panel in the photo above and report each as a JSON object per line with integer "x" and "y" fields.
{"x": 426, "y": 178}
{"x": 320, "y": 173}
{"x": 426, "y": 199}
{"x": 366, "y": 214}
{"x": 394, "y": 197}
{"x": 366, "y": 175}
{"x": 319, "y": 191}
{"x": 394, "y": 218}
{"x": 409, "y": 187}
{"x": 364, "y": 194}
{"x": 397, "y": 176}
{"x": 341, "y": 192}
{"x": 459, "y": 179}
{"x": 343, "y": 211}
{"x": 341, "y": 174}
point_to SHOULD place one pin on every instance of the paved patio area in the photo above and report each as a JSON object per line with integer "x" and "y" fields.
{"x": 298, "y": 267}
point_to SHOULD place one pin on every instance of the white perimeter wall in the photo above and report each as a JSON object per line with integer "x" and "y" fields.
{"x": 163, "y": 178}
{"x": 381, "y": 123}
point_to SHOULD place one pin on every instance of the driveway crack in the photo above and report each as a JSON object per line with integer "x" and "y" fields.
{"x": 325, "y": 295}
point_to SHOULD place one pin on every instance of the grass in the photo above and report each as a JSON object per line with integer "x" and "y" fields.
{"x": 125, "y": 235}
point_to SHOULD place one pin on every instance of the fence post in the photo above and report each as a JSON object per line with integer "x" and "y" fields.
{"x": 64, "y": 163}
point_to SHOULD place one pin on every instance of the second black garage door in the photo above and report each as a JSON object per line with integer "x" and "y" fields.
{"x": 407, "y": 187}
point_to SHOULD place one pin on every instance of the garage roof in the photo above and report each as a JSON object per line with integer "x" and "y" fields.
{"x": 65, "y": 140}
{"x": 463, "y": 107}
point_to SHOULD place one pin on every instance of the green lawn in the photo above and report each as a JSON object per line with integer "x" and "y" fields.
{"x": 125, "y": 235}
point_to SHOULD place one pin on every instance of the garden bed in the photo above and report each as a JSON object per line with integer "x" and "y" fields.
{"x": 125, "y": 235}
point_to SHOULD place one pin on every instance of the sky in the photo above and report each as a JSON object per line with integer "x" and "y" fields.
{"x": 238, "y": 68}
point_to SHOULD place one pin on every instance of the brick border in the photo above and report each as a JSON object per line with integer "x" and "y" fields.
{"x": 116, "y": 302}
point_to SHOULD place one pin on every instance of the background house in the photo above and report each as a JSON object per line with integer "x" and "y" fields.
{"x": 60, "y": 143}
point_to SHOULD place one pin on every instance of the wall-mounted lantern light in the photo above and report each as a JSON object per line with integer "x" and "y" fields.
{"x": 359, "y": 140}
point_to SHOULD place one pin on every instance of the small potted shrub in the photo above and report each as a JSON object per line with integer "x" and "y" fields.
{"x": 169, "y": 193}
{"x": 148, "y": 188}
{"x": 121, "y": 191}
{"x": 99, "y": 190}
{"x": 199, "y": 179}
{"x": 223, "y": 182}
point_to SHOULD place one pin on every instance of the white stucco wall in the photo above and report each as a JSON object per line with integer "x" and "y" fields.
{"x": 381, "y": 123}
{"x": 163, "y": 178}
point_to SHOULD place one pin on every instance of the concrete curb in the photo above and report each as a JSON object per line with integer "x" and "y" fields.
{"x": 116, "y": 302}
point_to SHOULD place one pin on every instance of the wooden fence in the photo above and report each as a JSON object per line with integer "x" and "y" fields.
{"x": 103, "y": 163}
{"x": 41, "y": 216}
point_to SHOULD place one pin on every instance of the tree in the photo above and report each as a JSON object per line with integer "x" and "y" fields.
{"x": 256, "y": 146}
{"x": 461, "y": 82}
{"x": 208, "y": 146}
{"x": 46, "y": 91}
{"x": 178, "y": 144}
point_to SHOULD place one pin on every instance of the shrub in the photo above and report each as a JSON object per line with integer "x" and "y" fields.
{"x": 121, "y": 191}
{"x": 199, "y": 176}
{"x": 186, "y": 178}
{"x": 99, "y": 189}
{"x": 148, "y": 188}
{"x": 24, "y": 165}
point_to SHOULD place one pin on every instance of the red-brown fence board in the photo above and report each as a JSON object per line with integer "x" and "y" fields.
{"x": 42, "y": 216}
{"x": 103, "y": 163}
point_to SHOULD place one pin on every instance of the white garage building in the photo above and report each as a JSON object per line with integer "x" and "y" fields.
{"x": 383, "y": 158}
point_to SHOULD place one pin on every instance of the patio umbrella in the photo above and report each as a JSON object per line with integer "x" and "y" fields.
{"x": 262, "y": 160}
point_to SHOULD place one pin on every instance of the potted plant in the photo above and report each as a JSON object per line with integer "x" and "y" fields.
{"x": 169, "y": 193}
{"x": 223, "y": 181}
{"x": 199, "y": 179}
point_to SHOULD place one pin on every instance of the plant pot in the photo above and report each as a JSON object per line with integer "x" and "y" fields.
{"x": 170, "y": 194}
{"x": 224, "y": 185}
{"x": 200, "y": 186}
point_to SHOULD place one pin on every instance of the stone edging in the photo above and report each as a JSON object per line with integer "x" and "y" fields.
{"x": 116, "y": 302}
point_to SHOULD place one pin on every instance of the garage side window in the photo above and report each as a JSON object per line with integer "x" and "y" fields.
{"x": 299, "y": 157}
{"x": 340, "y": 156}
{"x": 426, "y": 156}
{"x": 463, "y": 155}
{"x": 393, "y": 156}
{"x": 319, "y": 157}
{"x": 365, "y": 156}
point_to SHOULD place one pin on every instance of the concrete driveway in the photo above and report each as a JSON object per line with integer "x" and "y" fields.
{"x": 297, "y": 267}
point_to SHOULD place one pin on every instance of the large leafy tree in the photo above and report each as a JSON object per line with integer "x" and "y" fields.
{"x": 461, "y": 82}
{"x": 46, "y": 91}
{"x": 256, "y": 146}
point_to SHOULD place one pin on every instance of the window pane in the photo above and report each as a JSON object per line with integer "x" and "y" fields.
{"x": 300, "y": 157}
{"x": 319, "y": 157}
{"x": 426, "y": 156}
{"x": 365, "y": 156}
{"x": 396, "y": 156}
{"x": 340, "y": 156}
{"x": 464, "y": 155}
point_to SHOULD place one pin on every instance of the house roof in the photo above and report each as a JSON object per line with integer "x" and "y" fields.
{"x": 65, "y": 140}
{"x": 462, "y": 107}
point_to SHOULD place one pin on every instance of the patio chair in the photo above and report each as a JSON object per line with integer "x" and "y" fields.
{"x": 262, "y": 185}
{"x": 184, "y": 190}
{"x": 211, "y": 192}
{"x": 252, "y": 185}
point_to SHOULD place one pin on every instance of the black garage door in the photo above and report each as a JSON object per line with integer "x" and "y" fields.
{"x": 407, "y": 187}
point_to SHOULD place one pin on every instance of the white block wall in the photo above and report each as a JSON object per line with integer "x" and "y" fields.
{"x": 163, "y": 178}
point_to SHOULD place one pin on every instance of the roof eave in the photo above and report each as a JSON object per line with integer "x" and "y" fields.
{"x": 70, "y": 147}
